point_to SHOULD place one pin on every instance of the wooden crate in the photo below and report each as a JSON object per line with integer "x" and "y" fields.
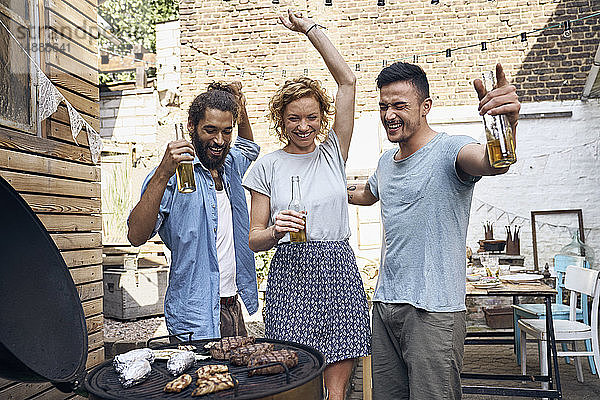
{"x": 149, "y": 254}
{"x": 133, "y": 294}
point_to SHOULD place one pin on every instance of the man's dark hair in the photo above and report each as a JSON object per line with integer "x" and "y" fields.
{"x": 405, "y": 72}
{"x": 218, "y": 96}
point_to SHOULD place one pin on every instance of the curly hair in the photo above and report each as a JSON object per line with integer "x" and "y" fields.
{"x": 218, "y": 95}
{"x": 295, "y": 89}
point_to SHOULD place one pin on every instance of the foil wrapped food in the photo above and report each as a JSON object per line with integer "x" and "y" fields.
{"x": 180, "y": 362}
{"x": 135, "y": 372}
{"x": 121, "y": 361}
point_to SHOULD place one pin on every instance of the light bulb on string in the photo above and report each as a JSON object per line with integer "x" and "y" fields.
{"x": 435, "y": 2}
{"x": 328, "y": 2}
{"x": 523, "y": 36}
{"x": 381, "y": 3}
{"x": 567, "y": 32}
{"x": 448, "y": 53}
{"x": 483, "y": 46}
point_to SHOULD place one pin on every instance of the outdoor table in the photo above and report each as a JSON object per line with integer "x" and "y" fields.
{"x": 515, "y": 290}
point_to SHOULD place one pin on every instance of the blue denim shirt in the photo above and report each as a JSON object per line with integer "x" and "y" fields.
{"x": 187, "y": 224}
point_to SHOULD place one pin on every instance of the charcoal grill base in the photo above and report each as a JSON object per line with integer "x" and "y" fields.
{"x": 306, "y": 379}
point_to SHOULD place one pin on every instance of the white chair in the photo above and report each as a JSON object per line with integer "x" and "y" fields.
{"x": 578, "y": 281}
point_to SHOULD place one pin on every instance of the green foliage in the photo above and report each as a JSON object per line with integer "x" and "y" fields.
{"x": 263, "y": 261}
{"x": 116, "y": 77}
{"x": 134, "y": 21}
{"x": 116, "y": 202}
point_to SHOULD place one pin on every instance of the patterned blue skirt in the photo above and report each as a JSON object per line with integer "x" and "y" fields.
{"x": 315, "y": 296}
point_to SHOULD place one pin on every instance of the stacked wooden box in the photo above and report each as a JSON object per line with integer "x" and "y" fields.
{"x": 135, "y": 280}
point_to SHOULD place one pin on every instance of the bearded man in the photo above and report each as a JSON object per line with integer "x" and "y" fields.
{"x": 207, "y": 230}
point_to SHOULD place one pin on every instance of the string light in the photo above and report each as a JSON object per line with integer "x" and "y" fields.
{"x": 328, "y": 2}
{"x": 566, "y": 27}
{"x": 381, "y": 3}
{"x": 275, "y": 1}
{"x": 357, "y": 67}
{"x": 435, "y": 2}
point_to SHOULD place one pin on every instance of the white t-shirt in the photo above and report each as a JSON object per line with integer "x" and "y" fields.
{"x": 225, "y": 248}
{"x": 322, "y": 185}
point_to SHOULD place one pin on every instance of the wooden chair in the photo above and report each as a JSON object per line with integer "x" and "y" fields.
{"x": 559, "y": 310}
{"x": 579, "y": 281}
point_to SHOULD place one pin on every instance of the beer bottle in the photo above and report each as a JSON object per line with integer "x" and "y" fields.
{"x": 297, "y": 205}
{"x": 498, "y": 132}
{"x": 186, "y": 183}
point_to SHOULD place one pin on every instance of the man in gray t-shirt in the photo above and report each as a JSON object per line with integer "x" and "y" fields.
{"x": 425, "y": 188}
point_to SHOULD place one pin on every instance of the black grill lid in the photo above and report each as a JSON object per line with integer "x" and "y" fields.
{"x": 43, "y": 334}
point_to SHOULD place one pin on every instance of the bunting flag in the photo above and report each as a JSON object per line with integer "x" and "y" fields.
{"x": 48, "y": 96}
{"x": 494, "y": 214}
{"x": 48, "y": 100}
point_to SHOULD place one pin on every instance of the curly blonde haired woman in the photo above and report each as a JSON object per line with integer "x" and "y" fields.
{"x": 314, "y": 293}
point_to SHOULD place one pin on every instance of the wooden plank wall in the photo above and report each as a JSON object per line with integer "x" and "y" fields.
{"x": 57, "y": 177}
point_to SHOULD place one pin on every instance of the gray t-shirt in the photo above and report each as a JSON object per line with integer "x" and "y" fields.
{"x": 425, "y": 212}
{"x": 322, "y": 184}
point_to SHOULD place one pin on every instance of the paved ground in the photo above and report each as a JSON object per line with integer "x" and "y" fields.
{"x": 501, "y": 359}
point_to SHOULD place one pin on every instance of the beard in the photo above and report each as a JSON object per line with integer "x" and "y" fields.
{"x": 409, "y": 127}
{"x": 204, "y": 156}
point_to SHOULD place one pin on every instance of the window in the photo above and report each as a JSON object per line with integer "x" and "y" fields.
{"x": 17, "y": 73}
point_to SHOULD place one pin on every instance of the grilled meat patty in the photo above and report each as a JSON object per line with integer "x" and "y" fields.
{"x": 221, "y": 350}
{"x": 241, "y": 355}
{"x": 288, "y": 357}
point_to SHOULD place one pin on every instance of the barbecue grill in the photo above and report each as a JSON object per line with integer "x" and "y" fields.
{"x": 43, "y": 334}
{"x": 301, "y": 382}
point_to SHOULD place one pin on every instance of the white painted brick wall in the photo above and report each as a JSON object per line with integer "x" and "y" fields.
{"x": 168, "y": 56}
{"x": 129, "y": 116}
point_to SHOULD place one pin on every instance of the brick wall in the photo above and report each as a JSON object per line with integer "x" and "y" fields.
{"x": 246, "y": 34}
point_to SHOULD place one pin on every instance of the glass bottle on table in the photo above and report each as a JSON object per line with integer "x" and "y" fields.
{"x": 297, "y": 205}
{"x": 186, "y": 183}
{"x": 579, "y": 251}
{"x": 498, "y": 132}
